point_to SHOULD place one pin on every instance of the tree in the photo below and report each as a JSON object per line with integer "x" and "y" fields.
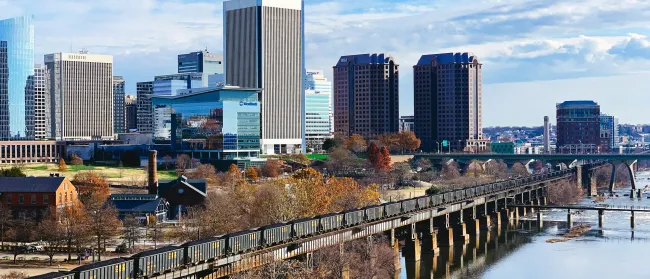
{"x": 155, "y": 234}
{"x": 496, "y": 169}
{"x": 356, "y": 143}
{"x": 204, "y": 171}
{"x": 564, "y": 192}
{"x": 183, "y": 162}
{"x": 450, "y": 171}
{"x": 132, "y": 232}
{"x": 408, "y": 141}
{"x": 90, "y": 183}
{"x": 234, "y": 172}
{"x": 251, "y": 174}
{"x": 390, "y": 141}
{"x": 21, "y": 232}
{"x": 74, "y": 222}
{"x": 341, "y": 160}
{"x": 75, "y": 160}
{"x": 167, "y": 162}
{"x": 271, "y": 168}
{"x": 375, "y": 156}
{"x": 423, "y": 164}
{"x": 5, "y": 220}
{"x": 519, "y": 169}
{"x": 402, "y": 172}
{"x": 475, "y": 168}
{"x": 13, "y": 275}
{"x": 62, "y": 166}
{"x": 385, "y": 160}
{"x": 331, "y": 143}
{"x": 52, "y": 232}
{"x": 103, "y": 222}
{"x": 12, "y": 172}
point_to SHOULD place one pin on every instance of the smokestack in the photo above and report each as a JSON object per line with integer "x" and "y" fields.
{"x": 152, "y": 175}
{"x": 547, "y": 136}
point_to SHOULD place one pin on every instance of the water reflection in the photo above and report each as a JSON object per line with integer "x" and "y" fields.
{"x": 520, "y": 250}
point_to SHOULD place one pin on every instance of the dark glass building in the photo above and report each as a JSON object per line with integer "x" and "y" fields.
{"x": 16, "y": 67}
{"x": 210, "y": 123}
{"x": 578, "y": 127}
{"x": 208, "y": 64}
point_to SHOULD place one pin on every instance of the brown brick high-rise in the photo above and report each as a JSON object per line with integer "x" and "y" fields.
{"x": 366, "y": 95}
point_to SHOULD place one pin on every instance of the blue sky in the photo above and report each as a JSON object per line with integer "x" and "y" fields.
{"x": 534, "y": 53}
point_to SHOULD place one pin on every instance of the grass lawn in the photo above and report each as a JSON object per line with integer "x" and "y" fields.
{"x": 321, "y": 157}
{"x": 114, "y": 175}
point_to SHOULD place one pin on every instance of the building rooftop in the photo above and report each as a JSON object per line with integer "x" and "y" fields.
{"x": 375, "y": 58}
{"x": 198, "y": 185}
{"x": 135, "y": 205}
{"x": 184, "y": 93}
{"x": 30, "y": 184}
{"x": 447, "y": 58}
{"x": 579, "y": 103}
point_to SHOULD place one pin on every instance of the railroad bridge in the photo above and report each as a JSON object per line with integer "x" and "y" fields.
{"x": 424, "y": 229}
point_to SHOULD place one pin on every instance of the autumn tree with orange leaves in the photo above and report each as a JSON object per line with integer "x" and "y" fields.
{"x": 384, "y": 160}
{"x": 89, "y": 184}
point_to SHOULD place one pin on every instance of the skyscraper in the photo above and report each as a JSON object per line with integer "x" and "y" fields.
{"x": 316, "y": 80}
{"x": 318, "y": 109}
{"x": 41, "y": 94}
{"x": 366, "y": 95}
{"x": 119, "y": 122}
{"x": 447, "y": 102}
{"x": 210, "y": 65}
{"x": 578, "y": 127}
{"x": 81, "y": 95}
{"x": 131, "y": 113}
{"x": 145, "y": 109}
{"x": 264, "y": 48}
{"x": 16, "y": 66}
{"x": 608, "y": 133}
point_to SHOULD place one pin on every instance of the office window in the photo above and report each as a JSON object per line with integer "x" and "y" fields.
{"x": 33, "y": 198}
{"x": 21, "y": 199}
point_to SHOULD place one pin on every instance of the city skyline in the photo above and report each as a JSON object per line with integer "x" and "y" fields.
{"x": 572, "y": 61}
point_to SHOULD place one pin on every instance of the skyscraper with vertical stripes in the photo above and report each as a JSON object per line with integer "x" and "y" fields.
{"x": 264, "y": 48}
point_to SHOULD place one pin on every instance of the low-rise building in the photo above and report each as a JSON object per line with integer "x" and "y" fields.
{"x": 181, "y": 193}
{"x": 38, "y": 195}
{"x": 146, "y": 208}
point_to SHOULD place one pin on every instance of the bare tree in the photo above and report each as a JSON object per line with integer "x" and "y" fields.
{"x": 103, "y": 223}
{"x": 21, "y": 232}
{"x": 519, "y": 169}
{"x": 5, "y": 220}
{"x": 167, "y": 162}
{"x": 565, "y": 192}
{"x": 132, "y": 232}
{"x": 183, "y": 162}
{"x": 53, "y": 233}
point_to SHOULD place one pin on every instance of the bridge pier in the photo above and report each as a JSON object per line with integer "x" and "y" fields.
{"x": 612, "y": 179}
{"x": 496, "y": 220}
{"x": 412, "y": 248}
{"x": 601, "y": 218}
{"x": 532, "y": 209}
{"x": 430, "y": 240}
{"x": 569, "y": 219}
{"x": 485, "y": 222}
{"x": 540, "y": 221}
{"x": 632, "y": 220}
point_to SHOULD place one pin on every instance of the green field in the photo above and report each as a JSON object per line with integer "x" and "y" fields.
{"x": 114, "y": 175}
{"x": 321, "y": 157}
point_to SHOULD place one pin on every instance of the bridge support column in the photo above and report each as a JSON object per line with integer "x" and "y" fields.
{"x": 505, "y": 214}
{"x": 612, "y": 179}
{"x": 516, "y": 213}
{"x": 579, "y": 175}
{"x": 460, "y": 232}
{"x": 569, "y": 219}
{"x": 485, "y": 222}
{"x": 446, "y": 237}
{"x": 592, "y": 187}
{"x": 395, "y": 245}
{"x": 412, "y": 248}
{"x": 430, "y": 240}
{"x": 532, "y": 209}
{"x": 632, "y": 220}
{"x": 474, "y": 227}
{"x": 601, "y": 218}
{"x": 540, "y": 221}
{"x": 523, "y": 211}
{"x": 497, "y": 219}
{"x": 630, "y": 168}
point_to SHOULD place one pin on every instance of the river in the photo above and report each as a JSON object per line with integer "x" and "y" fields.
{"x": 520, "y": 250}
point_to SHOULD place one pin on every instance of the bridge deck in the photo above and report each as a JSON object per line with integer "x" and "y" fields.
{"x": 579, "y": 207}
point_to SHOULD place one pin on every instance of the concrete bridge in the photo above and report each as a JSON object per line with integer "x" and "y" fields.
{"x": 424, "y": 230}
{"x": 559, "y": 160}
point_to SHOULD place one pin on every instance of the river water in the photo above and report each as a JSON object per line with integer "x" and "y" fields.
{"x": 520, "y": 250}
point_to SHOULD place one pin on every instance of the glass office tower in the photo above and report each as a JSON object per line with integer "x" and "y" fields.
{"x": 16, "y": 67}
{"x": 210, "y": 123}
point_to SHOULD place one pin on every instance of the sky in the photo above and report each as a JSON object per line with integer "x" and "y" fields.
{"x": 535, "y": 53}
